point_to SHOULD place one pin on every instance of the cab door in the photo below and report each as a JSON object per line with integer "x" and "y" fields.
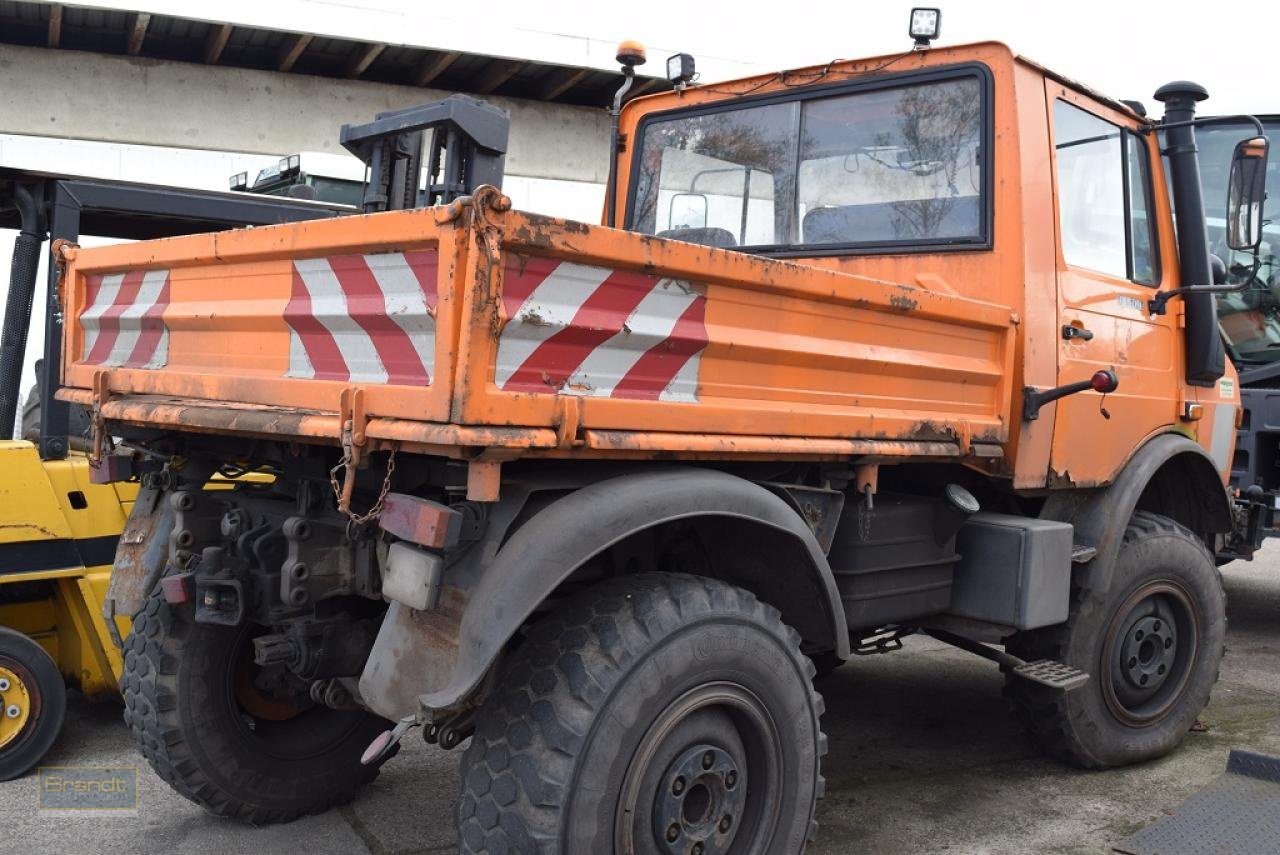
{"x": 1109, "y": 266}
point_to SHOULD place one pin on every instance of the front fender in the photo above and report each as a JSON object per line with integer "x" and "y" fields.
{"x": 1100, "y": 518}
{"x": 500, "y": 585}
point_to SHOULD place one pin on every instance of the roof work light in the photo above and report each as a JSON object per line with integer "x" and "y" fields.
{"x": 925, "y": 25}
{"x": 239, "y": 181}
{"x": 680, "y": 70}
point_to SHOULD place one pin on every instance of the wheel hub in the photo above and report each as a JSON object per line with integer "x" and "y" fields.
{"x": 1148, "y": 652}
{"x": 697, "y": 809}
{"x": 15, "y": 706}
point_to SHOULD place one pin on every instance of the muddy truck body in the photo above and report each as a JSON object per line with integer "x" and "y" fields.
{"x": 905, "y": 344}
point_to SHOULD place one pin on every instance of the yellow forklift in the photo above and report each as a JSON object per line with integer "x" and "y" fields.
{"x": 58, "y": 527}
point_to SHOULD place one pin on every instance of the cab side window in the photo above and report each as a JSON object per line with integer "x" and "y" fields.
{"x": 1104, "y": 192}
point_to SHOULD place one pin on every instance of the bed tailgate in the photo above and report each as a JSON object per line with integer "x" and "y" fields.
{"x": 284, "y": 317}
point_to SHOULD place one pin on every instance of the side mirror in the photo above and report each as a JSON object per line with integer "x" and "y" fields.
{"x": 687, "y": 211}
{"x": 1246, "y": 192}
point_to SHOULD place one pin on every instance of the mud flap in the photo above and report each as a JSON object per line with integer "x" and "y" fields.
{"x": 1237, "y": 813}
{"x": 140, "y": 557}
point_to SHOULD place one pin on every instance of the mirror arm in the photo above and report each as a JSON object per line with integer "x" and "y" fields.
{"x": 1156, "y": 305}
{"x": 1208, "y": 120}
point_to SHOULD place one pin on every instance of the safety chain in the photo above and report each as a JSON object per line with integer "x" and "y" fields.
{"x": 342, "y": 492}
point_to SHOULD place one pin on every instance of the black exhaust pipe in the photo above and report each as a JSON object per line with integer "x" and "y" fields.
{"x": 17, "y": 313}
{"x": 1206, "y": 359}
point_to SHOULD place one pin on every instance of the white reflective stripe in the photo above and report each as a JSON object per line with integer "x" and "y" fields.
{"x": 683, "y": 388}
{"x": 650, "y": 324}
{"x": 131, "y": 318}
{"x": 547, "y": 310}
{"x": 91, "y": 318}
{"x": 329, "y": 307}
{"x": 299, "y": 362}
{"x": 406, "y": 303}
{"x": 161, "y": 357}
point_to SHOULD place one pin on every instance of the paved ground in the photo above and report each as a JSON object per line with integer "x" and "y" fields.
{"x": 923, "y": 760}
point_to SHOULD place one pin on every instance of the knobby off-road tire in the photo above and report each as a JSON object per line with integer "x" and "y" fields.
{"x": 648, "y": 714}
{"x": 36, "y": 693}
{"x": 185, "y": 702}
{"x": 1152, "y": 645}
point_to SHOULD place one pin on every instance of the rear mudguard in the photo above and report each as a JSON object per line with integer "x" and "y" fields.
{"x": 141, "y": 555}
{"x": 435, "y": 659}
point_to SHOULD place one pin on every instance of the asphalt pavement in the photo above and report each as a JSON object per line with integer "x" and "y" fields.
{"x": 923, "y": 759}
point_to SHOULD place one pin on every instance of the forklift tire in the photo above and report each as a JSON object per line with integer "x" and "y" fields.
{"x": 34, "y": 703}
{"x": 187, "y": 700}
{"x": 650, "y": 713}
{"x": 1152, "y": 645}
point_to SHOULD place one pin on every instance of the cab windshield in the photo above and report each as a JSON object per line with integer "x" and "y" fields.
{"x": 884, "y": 165}
{"x": 1250, "y": 319}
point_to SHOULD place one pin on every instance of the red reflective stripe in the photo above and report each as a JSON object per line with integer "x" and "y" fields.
{"x": 151, "y": 328}
{"x": 654, "y": 371}
{"x": 425, "y": 264}
{"x": 367, "y": 306}
{"x": 326, "y": 360}
{"x": 92, "y": 287}
{"x": 521, "y": 276}
{"x": 109, "y": 322}
{"x": 597, "y": 320}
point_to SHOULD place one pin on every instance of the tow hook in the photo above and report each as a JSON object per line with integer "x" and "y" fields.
{"x": 385, "y": 743}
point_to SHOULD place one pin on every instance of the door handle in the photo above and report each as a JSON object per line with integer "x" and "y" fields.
{"x": 1070, "y": 331}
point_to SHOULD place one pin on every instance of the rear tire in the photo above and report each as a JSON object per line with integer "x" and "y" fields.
{"x": 34, "y": 703}
{"x": 1152, "y": 645}
{"x": 649, "y": 714}
{"x": 184, "y": 703}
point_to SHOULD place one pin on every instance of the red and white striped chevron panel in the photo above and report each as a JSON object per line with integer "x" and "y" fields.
{"x": 364, "y": 318}
{"x": 599, "y": 332}
{"x": 123, "y": 319}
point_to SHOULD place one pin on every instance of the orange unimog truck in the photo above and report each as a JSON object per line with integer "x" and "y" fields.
{"x": 876, "y": 347}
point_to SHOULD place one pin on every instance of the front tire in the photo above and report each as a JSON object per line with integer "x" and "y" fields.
{"x": 219, "y": 743}
{"x": 655, "y": 713}
{"x": 1152, "y": 645}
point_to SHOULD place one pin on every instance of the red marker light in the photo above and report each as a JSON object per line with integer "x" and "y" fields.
{"x": 1104, "y": 381}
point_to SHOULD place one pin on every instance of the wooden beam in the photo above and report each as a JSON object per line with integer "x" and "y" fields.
{"x": 362, "y": 57}
{"x": 561, "y": 82}
{"x": 55, "y": 26}
{"x": 291, "y": 50}
{"x": 643, "y": 86}
{"x": 496, "y": 73}
{"x": 216, "y": 42}
{"x": 138, "y": 32}
{"x": 432, "y": 66}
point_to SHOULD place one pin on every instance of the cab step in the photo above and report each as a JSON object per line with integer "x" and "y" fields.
{"x": 1045, "y": 672}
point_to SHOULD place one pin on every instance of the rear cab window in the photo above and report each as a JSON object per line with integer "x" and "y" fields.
{"x": 891, "y": 165}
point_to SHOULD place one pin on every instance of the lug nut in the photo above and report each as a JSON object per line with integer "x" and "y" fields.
{"x": 677, "y": 786}
{"x": 673, "y": 833}
{"x": 725, "y": 822}
{"x": 13, "y": 711}
{"x": 4, "y": 684}
{"x": 707, "y": 760}
{"x": 731, "y": 779}
{"x": 697, "y": 849}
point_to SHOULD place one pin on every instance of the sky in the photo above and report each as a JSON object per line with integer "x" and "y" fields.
{"x": 1124, "y": 48}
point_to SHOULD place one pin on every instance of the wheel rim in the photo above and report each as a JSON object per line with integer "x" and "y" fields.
{"x": 717, "y": 796}
{"x": 15, "y": 704}
{"x": 1150, "y": 651}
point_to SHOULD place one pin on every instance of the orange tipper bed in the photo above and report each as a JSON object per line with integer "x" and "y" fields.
{"x": 474, "y": 327}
